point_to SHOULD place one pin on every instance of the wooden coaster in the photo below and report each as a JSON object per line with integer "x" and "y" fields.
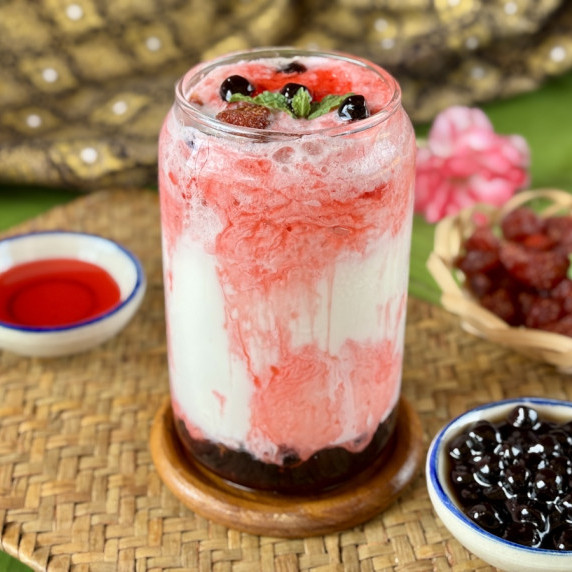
{"x": 271, "y": 514}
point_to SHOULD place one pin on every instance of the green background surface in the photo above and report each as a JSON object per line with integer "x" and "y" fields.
{"x": 543, "y": 117}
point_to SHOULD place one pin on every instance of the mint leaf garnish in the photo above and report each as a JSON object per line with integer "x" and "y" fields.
{"x": 301, "y": 103}
{"x": 326, "y": 105}
{"x": 268, "y": 99}
{"x": 272, "y": 100}
{"x": 239, "y": 97}
{"x": 569, "y": 273}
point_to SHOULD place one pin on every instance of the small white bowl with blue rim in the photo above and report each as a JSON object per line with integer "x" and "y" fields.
{"x": 120, "y": 263}
{"x": 490, "y": 548}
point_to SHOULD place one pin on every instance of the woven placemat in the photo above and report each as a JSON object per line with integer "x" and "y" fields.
{"x": 78, "y": 490}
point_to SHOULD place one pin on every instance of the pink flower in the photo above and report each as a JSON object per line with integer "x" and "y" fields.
{"x": 466, "y": 162}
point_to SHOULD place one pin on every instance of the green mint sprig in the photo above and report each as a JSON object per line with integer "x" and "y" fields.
{"x": 301, "y": 107}
{"x": 266, "y": 98}
{"x": 326, "y": 105}
{"x": 301, "y": 103}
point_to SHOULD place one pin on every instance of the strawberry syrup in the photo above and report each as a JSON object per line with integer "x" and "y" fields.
{"x": 55, "y": 292}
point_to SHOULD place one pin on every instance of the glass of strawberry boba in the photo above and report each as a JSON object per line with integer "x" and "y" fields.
{"x": 286, "y": 186}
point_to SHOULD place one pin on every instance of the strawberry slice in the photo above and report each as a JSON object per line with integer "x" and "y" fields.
{"x": 246, "y": 115}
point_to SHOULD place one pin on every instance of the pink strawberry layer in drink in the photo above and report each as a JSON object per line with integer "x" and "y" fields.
{"x": 286, "y": 257}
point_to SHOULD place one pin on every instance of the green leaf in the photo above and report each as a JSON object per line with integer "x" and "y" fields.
{"x": 272, "y": 100}
{"x": 569, "y": 273}
{"x": 326, "y": 105}
{"x": 239, "y": 97}
{"x": 266, "y": 98}
{"x": 301, "y": 103}
{"x": 10, "y": 564}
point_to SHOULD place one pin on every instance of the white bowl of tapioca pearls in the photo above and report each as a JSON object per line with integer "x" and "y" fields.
{"x": 500, "y": 479}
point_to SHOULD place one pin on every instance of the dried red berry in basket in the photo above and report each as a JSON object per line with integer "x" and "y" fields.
{"x": 480, "y": 283}
{"x": 525, "y": 300}
{"x": 522, "y": 276}
{"x": 538, "y": 241}
{"x": 483, "y": 238}
{"x": 542, "y": 270}
{"x": 481, "y": 252}
{"x": 542, "y": 311}
{"x": 501, "y": 303}
{"x": 478, "y": 261}
{"x": 521, "y": 222}
{"x": 563, "y": 292}
{"x": 562, "y": 326}
{"x": 559, "y": 229}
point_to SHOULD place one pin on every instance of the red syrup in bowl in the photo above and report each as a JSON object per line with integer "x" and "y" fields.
{"x": 55, "y": 292}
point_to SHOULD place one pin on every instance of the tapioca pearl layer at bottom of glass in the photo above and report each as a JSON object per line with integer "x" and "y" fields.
{"x": 325, "y": 469}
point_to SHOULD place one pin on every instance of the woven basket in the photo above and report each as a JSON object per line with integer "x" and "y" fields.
{"x": 450, "y": 234}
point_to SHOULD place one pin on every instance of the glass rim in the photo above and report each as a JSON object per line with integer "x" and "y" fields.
{"x": 197, "y": 72}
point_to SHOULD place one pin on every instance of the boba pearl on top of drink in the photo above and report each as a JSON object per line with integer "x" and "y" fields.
{"x": 286, "y": 182}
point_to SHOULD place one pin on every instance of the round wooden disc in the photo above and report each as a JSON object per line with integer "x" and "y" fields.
{"x": 271, "y": 514}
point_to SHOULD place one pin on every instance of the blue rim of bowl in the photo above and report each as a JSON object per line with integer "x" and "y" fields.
{"x": 433, "y": 475}
{"x": 140, "y": 280}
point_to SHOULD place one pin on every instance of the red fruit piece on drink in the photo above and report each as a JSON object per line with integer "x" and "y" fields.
{"x": 521, "y": 222}
{"x": 246, "y": 115}
{"x": 542, "y": 270}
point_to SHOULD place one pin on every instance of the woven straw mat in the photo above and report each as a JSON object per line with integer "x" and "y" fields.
{"x": 78, "y": 489}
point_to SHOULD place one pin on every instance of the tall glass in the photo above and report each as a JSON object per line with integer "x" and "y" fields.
{"x": 286, "y": 256}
